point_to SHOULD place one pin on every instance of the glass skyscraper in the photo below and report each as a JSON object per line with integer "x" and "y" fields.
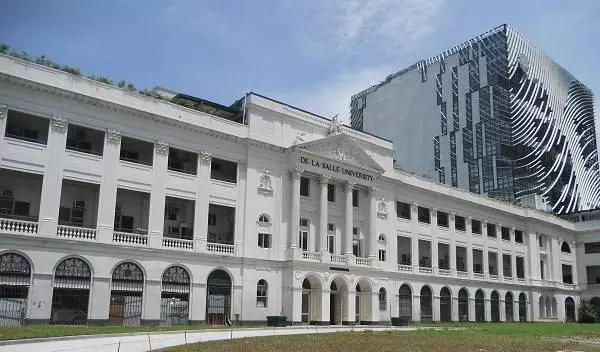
{"x": 495, "y": 116}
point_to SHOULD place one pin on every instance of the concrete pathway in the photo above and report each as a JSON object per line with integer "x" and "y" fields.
{"x": 140, "y": 342}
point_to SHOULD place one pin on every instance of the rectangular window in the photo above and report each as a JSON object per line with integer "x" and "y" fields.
{"x": 331, "y": 193}
{"x": 382, "y": 255}
{"x": 476, "y": 226}
{"x": 424, "y": 215}
{"x": 403, "y": 210}
{"x": 442, "y": 219}
{"x": 303, "y": 240}
{"x": 355, "y": 196}
{"x": 85, "y": 139}
{"x": 520, "y": 267}
{"x": 460, "y": 223}
{"x": 182, "y": 161}
{"x": 453, "y": 164}
{"x": 518, "y": 236}
{"x": 491, "y": 230}
{"x": 492, "y": 263}
{"x": 424, "y": 73}
{"x": 331, "y": 227}
{"x": 438, "y": 88}
{"x": 567, "y": 273}
{"x": 505, "y": 231}
{"x": 590, "y": 247}
{"x": 331, "y": 243}
{"x": 488, "y": 173}
{"x": 474, "y": 176}
{"x": 136, "y": 151}
{"x": 444, "y": 118}
{"x": 442, "y": 175}
{"x": 304, "y": 186}
{"x": 27, "y": 127}
{"x": 506, "y": 265}
{"x": 264, "y": 240}
{"x": 436, "y": 152}
{"x": 223, "y": 170}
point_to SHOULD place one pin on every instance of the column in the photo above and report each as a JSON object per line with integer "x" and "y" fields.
{"x": 452, "y": 248}
{"x": 414, "y": 242}
{"x": 472, "y": 307}
{"x": 151, "y": 311}
{"x": 52, "y": 182}
{"x": 99, "y": 309}
{"x": 375, "y": 316}
{"x": 502, "y": 307}
{"x": 513, "y": 264}
{"x": 434, "y": 255}
{"x": 40, "y": 294}
{"x": 324, "y": 182}
{"x": 295, "y": 220}
{"x": 350, "y": 316}
{"x": 156, "y": 223}
{"x": 325, "y": 307}
{"x": 348, "y": 187}
{"x": 435, "y": 309}
{"x": 488, "y": 308}
{"x": 3, "y": 119}
{"x": 373, "y": 223}
{"x": 198, "y": 303}
{"x": 500, "y": 258}
{"x": 108, "y": 187}
{"x": 574, "y": 271}
{"x": 416, "y": 307}
{"x": 454, "y": 311}
{"x": 533, "y": 258}
{"x": 201, "y": 204}
{"x": 555, "y": 260}
{"x": 486, "y": 263}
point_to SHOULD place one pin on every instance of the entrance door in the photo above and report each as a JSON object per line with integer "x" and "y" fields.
{"x": 305, "y": 307}
{"x": 218, "y": 298}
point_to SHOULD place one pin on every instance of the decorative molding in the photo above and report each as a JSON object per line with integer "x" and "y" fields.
{"x": 323, "y": 179}
{"x": 349, "y": 186}
{"x": 335, "y": 126}
{"x": 265, "y": 184}
{"x": 113, "y": 136}
{"x": 242, "y": 163}
{"x": 382, "y": 209}
{"x": 59, "y": 124}
{"x": 413, "y": 206}
{"x": 296, "y": 172}
{"x": 433, "y": 212}
{"x": 469, "y": 219}
{"x": 3, "y": 111}
{"x": 162, "y": 147}
{"x": 205, "y": 157}
{"x": 372, "y": 191}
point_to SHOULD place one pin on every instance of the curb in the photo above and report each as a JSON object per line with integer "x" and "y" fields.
{"x": 92, "y": 336}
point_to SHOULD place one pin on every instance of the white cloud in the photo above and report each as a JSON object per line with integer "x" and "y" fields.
{"x": 346, "y": 26}
{"x": 333, "y": 96}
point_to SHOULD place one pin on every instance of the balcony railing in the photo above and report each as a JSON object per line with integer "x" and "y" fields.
{"x": 177, "y": 243}
{"x": 338, "y": 259}
{"x": 493, "y": 276}
{"x": 130, "y": 238}
{"x": 593, "y": 286}
{"x": 425, "y": 270}
{"x": 444, "y": 272}
{"x": 312, "y": 256}
{"x": 82, "y": 233}
{"x": 18, "y": 226}
{"x": 220, "y": 248}
{"x": 363, "y": 261}
{"x": 404, "y": 267}
{"x": 462, "y": 273}
{"x": 478, "y": 275}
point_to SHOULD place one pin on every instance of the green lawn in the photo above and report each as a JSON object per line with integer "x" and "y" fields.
{"x": 42, "y": 330}
{"x": 472, "y": 337}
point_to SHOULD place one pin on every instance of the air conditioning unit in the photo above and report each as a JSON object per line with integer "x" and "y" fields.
{"x": 79, "y": 204}
{"x": 6, "y": 193}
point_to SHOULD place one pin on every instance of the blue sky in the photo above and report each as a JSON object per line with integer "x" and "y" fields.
{"x": 313, "y": 54}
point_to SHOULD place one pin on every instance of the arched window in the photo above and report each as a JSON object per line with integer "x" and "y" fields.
{"x": 565, "y": 248}
{"x": 261, "y": 293}
{"x": 264, "y": 231}
{"x": 569, "y": 309}
{"x": 522, "y": 307}
{"x": 508, "y": 307}
{"x": 126, "y": 294}
{"x": 70, "y": 298}
{"x": 463, "y": 305}
{"x": 263, "y": 219}
{"x": 495, "y": 298}
{"x": 405, "y": 302}
{"x": 382, "y": 247}
{"x": 175, "y": 296}
{"x": 15, "y": 275}
{"x": 382, "y": 299}
{"x": 426, "y": 305}
{"x": 542, "y": 307}
{"x": 479, "y": 306}
{"x": 445, "y": 305}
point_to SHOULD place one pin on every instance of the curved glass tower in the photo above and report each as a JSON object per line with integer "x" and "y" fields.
{"x": 493, "y": 115}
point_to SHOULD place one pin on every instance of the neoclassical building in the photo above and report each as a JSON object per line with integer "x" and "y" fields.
{"x": 119, "y": 208}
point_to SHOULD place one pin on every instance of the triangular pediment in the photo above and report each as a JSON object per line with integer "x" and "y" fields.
{"x": 342, "y": 148}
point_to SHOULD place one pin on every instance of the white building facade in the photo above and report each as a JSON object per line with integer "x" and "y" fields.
{"x": 117, "y": 208}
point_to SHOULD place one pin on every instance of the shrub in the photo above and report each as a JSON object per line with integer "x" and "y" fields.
{"x": 72, "y": 70}
{"x": 587, "y": 313}
{"x": 4, "y": 48}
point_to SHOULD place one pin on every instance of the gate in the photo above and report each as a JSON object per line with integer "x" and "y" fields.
{"x": 15, "y": 274}
{"x": 218, "y": 298}
{"x": 445, "y": 305}
{"x": 70, "y": 298}
{"x": 405, "y": 303}
{"x": 175, "y": 297}
{"x": 126, "y": 295}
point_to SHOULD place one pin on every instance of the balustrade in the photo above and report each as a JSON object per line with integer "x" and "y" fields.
{"x": 18, "y": 226}
{"x": 177, "y": 243}
{"x": 130, "y": 238}
{"x": 82, "y": 233}
{"x": 220, "y": 248}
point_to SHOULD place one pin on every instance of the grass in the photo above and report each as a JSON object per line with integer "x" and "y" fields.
{"x": 474, "y": 337}
{"x": 43, "y": 330}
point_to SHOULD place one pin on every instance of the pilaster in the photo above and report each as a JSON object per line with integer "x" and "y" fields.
{"x": 348, "y": 187}
{"x": 157, "y": 195}
{"x": 295, "y": 173}
{"x": 53, "y": 174}
{"x": 108, "y": 187}
{"x": 323, "y": 214}
{"x": 373, "y": 224}
{"x": 201, "y": 206}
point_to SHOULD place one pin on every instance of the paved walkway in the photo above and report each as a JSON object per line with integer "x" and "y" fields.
{"x": 140, "y": 342}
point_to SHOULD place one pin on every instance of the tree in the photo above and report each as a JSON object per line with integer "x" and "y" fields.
{"x": 587, "y": 313}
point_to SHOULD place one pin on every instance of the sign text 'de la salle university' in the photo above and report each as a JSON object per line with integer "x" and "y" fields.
{"x": 335, "y": 168}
